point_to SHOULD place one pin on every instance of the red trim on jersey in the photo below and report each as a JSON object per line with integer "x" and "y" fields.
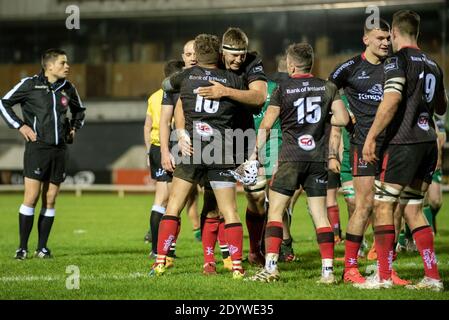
{"x": 363, "y": 56}
{"x": 355, "y": 161}
{"x": 384, "y": 167}
{"x": 304, "y": 75}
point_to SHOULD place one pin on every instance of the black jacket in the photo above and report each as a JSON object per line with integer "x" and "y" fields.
{"x": 44, "y": 108}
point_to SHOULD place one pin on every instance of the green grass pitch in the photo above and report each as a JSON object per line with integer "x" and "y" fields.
{"x": 102, "y": 235}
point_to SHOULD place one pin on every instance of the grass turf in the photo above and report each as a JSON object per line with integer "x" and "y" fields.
{"x": 102, "y": 235}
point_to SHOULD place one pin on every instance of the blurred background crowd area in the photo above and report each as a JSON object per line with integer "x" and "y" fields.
{"x": 117, "y": 54}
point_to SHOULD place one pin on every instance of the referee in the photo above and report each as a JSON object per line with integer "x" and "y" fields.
{"x": 45, "y": 100}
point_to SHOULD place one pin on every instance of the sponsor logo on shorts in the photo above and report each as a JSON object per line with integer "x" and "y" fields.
{"x": 225, "y": 174}
{"x": 306, "y": 142}
{"x": 38, "y": 171}
{"x": 160, "y": 172}
{"x": 423, "y": 121}
{"x": 204, "y": 129}
{"x": 362, "y": 163}
{"x": 320, "y": 181}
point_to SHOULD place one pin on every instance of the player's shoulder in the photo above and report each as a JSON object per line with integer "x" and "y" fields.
{"x": 278, "y": 77}
{"x": 320, "y": 82}
{"x": 329, "y": 85}
{"x": 29, "y": 82}
{"x": 68, "y": 85}
{"x": 192, "y": 70}
{"x": 396, "y": 60}
{"x": 253, "y": 63}
{"x": 182, "y": 75}
{"x": 346, "y": 66}
{"x": 253, "y": 58}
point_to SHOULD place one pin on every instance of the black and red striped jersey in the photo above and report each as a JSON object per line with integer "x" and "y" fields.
{"x": 422, "y": 91}
{"x": 305, "y": 111}
{"x": 210, "y": 122}
{"x": 362, "y": 83}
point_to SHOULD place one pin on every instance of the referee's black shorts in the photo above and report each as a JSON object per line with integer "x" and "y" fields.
{"x": 45, "y": 162}
{"x": 157, "y": 172}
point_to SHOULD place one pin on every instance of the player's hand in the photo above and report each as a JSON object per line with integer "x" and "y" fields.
{"x": 28, "y": 133}
{"x": 369, "y": 151}
{"x": 215, "y": 91}
{"x": 185, "y": 146}
{"x": 167, "y": 162}
{"x": 334, "y": 165}
{"x": 72, "y": 134}
{"x": 147, "y": 156}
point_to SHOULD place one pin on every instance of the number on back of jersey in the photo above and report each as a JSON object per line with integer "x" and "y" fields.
{"x": 309, "y": 109}
{"x": 209, "y": 106}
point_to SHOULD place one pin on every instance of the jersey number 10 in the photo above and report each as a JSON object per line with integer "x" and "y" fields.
{"x": 309, "y": 109}
{"x": 210, "y": 106}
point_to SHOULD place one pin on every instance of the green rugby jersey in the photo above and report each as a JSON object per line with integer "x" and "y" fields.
{"x": 344, "y": 132}
{"x": 268, "y": 156}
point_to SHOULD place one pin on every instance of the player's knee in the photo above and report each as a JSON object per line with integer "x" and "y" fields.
{"x": 50, "y": 198}
{"x": 435, "y": 204}
{"x": 31, "y": 198}
{"x": 365, "y": 206}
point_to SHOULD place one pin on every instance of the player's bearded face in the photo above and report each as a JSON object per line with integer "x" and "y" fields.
{"x": 378, "y": 42}
{"x": 234, "y": 61}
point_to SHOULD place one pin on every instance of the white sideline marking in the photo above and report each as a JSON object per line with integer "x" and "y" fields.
{"x": 79, "y": 231}
{"x": 134, "y": 275}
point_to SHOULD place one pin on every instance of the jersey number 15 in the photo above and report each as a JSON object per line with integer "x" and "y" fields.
{"x": 309, "y": 109}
